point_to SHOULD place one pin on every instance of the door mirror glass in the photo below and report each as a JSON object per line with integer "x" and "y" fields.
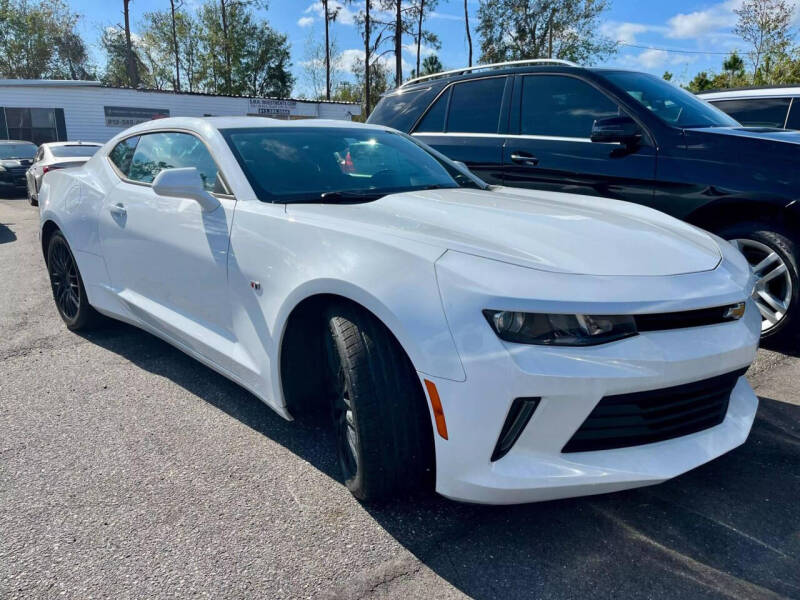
{"x": 184, "y": 183}
{"x": 623, "y": 130}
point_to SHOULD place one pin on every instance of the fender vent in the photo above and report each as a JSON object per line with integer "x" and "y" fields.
{"x": 518, "y": 416}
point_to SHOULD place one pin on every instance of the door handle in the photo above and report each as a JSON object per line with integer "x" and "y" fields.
{"x": 118, "y": 210}
{"x": 524, "y": 158}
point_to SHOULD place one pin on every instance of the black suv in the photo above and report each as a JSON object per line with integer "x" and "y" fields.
{"x": 626, "y": 135}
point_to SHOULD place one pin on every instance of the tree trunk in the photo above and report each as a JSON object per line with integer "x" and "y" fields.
{"x": 327, "y": 52}
{"x": 469, "y": 35}
{"x": 419, "y": 32}
{"x": 398, "y": 44}
{"x": 177, "y": 85}
{"x": 133, "y": 75}
{"x": 366, "y": 60}
{"x": 226, "y": 47}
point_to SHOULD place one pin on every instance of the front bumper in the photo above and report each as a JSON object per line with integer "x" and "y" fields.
{"x": 571, "y": 382}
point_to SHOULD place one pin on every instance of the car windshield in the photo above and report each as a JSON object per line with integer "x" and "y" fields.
{"x": 74, "y": 150}
{"x": 347, "y": 164}
{"x": 673, "y": 105}
{"x": 17, "y": 151}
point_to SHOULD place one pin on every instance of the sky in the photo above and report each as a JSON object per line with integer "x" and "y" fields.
{"x": 681, "y": 36}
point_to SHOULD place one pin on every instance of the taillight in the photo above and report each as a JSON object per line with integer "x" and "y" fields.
{"x": 48, "y": 168}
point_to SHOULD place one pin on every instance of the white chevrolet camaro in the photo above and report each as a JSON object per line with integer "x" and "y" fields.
{"x": 504, "y": 345}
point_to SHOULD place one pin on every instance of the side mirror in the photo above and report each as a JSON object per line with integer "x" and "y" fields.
{"x": 184, "y": 183}
{"x": 623, "y": 130}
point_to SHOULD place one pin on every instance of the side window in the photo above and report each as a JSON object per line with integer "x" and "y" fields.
{"x": 475, "y": 106}
{"x": 757, "y": 112}
{"x": 122, "y": 154}
{"x": 562, "y": 106}
{"x": 433, "y": 121}
{"x": 158, "y": 151}
{"x": 793, "y": 122}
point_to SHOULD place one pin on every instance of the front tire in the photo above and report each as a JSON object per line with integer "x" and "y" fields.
{"x": 773, "y": 255}
{"x": 69, "y": 293}
{"x": 382, "y": 425}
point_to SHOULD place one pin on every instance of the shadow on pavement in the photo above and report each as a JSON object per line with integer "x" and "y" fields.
{"x": 6, "y": 234}
{"x": 727, "y": 529}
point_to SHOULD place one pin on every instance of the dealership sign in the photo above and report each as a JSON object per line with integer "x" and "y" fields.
{"x": 126, "y": 116}
{"x": 267, "y": 107}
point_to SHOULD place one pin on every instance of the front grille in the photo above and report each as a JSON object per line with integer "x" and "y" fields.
{"x": 686, "y": 318}
{"x": 656, "y": 415}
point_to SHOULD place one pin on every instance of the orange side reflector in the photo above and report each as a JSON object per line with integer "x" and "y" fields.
{"x": 438, "y": 413}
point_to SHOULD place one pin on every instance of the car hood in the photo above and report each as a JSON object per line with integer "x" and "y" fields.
{"x": 752, "y": 133}
{"x": 550, "y": 231}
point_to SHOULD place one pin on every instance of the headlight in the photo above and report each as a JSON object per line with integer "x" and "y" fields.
{"x": 559, "y": 330}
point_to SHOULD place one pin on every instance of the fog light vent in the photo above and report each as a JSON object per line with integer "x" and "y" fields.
{"x": 518, "y": 416}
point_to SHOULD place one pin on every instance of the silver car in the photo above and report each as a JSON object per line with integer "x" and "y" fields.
{"x": 56, "y": 155}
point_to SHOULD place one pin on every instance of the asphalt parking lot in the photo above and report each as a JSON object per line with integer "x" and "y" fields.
{"x": 128, "y": 470}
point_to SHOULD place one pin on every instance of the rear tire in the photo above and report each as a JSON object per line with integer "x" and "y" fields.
{"x": 69, "y": 293}
{"x": 382, "y": 425}
{"x": 776, "y": 253}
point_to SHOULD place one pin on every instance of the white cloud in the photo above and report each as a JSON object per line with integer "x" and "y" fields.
{"x": 654, "y": 58}
{"x": 411, "y": 48}
{"x": 305, "y": 21}
{"x": 345, "y": 16}
{"x": 623, "y": 32}
{"x": 446, "y": 16}
{"x": 702, "y": 22}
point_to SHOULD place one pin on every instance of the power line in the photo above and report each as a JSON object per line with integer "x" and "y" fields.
{"x": 672, "y": 49}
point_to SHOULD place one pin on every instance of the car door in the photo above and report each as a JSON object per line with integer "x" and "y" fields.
{"x": 549, "y": 146}
{"x": 166, "y": 256}
{"x": 467, "y": 122}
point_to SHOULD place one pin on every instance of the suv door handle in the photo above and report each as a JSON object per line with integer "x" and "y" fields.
{"x": 118, "y": 210}
{"x": 524, "y": 158}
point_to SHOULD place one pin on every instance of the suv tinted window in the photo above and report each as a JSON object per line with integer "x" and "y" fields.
{"x": 757, "y": 112}
{"x": 158, "y": 151}
{"x": 562, "y": 106}
{"x": 475, "y": 106}
{"x": 434, "y": 118}
{"x": 122, "y": 154}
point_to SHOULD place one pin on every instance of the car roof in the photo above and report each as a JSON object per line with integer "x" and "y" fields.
{"x": 201, "y": 123}
{"x": 779, "y": 91}
{"x": 4, "y": 142}
{"x": 75, "y": 143}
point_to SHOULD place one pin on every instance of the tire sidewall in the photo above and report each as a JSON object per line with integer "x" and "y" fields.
{"x": 82, "y": 316}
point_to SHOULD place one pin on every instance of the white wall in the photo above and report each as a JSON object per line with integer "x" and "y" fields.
{"x": 85, "y": 118}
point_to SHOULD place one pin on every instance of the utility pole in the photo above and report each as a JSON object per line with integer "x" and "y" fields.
{"x": 133, "y": 74}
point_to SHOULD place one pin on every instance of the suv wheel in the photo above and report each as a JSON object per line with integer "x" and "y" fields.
{"x": 773, "y": 257}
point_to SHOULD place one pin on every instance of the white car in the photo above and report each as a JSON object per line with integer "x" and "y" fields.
{"x": 507, "y": 345}
{"x": 56, "y": 155}
{"x": 771, "y": 107}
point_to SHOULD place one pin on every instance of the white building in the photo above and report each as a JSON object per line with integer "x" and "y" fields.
{"x": 41, "y": 110}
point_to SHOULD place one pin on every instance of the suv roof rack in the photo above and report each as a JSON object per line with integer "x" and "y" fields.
{"x": 529, "y": 61}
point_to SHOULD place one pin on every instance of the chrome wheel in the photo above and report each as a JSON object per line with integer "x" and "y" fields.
{"x": 64, "y": 280}
{"x": 773, "y": 289}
